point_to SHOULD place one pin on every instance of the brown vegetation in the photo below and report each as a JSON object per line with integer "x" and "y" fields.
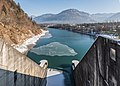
{"x": 15, "y": 25}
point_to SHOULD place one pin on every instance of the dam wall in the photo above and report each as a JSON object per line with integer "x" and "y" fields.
{"x": 18, "y": 70}
{"x": 100, "y": 66}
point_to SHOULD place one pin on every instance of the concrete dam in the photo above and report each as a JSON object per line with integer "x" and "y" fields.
{"x": 99, "y": 67}
{"x": 18, "y": 70}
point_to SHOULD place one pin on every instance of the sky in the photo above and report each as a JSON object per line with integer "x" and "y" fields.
{"x": 39, "y": 7}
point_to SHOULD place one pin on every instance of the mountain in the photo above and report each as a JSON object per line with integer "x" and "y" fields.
{"x": 101, "y": 17}
{"x": 115, "y": 17}
{"x": 66, "y": 16}
{"x": 76, "y": 16}
{"x": 15, "y": 25}
{"x": 45, "y": 17}
{"x": 32, "y": 16}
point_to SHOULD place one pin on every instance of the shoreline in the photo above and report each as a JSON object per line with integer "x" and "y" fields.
{"x": 29, "y": 43}
{"x": 91, "y": 34}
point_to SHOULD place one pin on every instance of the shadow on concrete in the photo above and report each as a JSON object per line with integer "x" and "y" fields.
{"x": 68, "y": 74}
{"x": 63, "y": 79}
{"x": 9, "y": 78}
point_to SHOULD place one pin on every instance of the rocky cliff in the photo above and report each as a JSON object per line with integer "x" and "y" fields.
{"x": 15, "y": 25}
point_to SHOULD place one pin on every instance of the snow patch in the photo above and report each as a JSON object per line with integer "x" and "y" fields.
{"x": 47, "y": 35}
{"x": 23, "y": 48}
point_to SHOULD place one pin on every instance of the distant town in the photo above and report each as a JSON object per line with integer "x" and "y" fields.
{"x": 109, "y": 29}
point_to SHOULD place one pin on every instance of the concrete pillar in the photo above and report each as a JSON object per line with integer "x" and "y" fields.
{"x": 44, "y": 64}
{"x": 74, "y": 64}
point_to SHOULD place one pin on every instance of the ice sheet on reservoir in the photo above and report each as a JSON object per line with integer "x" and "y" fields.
{"x": 54, "y": 49}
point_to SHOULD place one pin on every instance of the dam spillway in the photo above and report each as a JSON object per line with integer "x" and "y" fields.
{"x": 18, "y": 70}
{"x": 99, "y": 67}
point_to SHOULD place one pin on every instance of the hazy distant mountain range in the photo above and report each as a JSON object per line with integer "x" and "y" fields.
{"x": 76, "y": 16}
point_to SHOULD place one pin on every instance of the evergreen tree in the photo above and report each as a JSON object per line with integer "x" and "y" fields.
{"x": 19, "y": 7}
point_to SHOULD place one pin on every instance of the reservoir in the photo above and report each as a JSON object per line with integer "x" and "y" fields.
{"x": 60, "y": 47}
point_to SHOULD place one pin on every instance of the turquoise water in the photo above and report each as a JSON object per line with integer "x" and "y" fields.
{"x": 78, "y": 42}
